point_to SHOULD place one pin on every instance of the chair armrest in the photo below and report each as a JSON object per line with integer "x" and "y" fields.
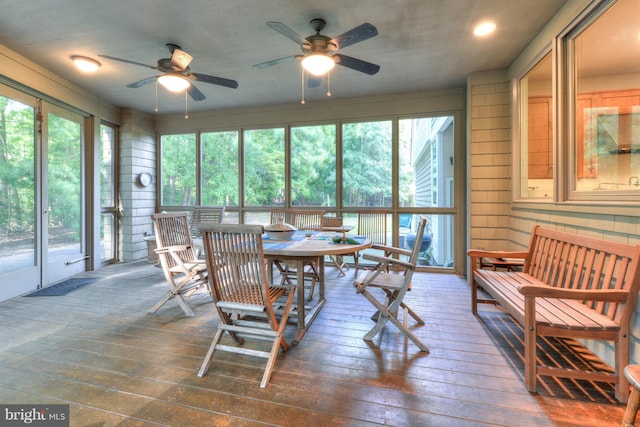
{"x": 388, "y": 250}
{"x": 610, "y": 295}
{"x": 175, "y": 248}
{"x": 385, "y": 260}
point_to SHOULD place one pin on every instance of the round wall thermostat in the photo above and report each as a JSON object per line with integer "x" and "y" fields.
{"x": 144, "y": 179}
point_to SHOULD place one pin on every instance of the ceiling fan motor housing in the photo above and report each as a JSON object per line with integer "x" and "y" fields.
{"x": 319, "y": 43}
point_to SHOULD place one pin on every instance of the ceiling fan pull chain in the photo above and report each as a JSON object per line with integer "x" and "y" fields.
{"x": 156, "y": 96}
{"x": 186, "y": 105}
{"x": 302, "y": 101}
{"x": 329, "y": 83}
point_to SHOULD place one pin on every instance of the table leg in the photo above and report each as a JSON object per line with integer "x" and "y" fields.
{"x": 321, "y": 297}
{"x": 301, "y": 300}
{"x": 307, "y": 314}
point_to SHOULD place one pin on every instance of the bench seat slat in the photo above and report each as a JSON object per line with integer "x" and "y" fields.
{"x": 559, "y": 313}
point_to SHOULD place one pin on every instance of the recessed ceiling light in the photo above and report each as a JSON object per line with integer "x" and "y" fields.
{"x": 484, "y": 29}
{"x": 85, "y": 64}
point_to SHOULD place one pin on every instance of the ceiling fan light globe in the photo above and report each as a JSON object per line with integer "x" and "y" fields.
{"x": 318, "y": 64}
{"x": 173, "y": 83}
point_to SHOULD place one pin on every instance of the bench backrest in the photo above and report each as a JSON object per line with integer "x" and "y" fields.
{"x": 571, "y": 261}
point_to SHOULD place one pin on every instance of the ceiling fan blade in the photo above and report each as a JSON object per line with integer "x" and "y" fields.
{"x": 357, "y": 64}
{"x": 287, "y": 32}
{"x": 128, "y": 62}
{"x": 214, "y": 80}
{"x": 195, "y": 93}
{"x": 142, "y": 82}
{"x": 355, "y": 35}
{"x": 274, "y": 62}
{"x": 314, "y": 81}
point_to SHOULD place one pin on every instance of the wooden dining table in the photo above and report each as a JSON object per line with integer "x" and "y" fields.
{"x": 305, "y": 247}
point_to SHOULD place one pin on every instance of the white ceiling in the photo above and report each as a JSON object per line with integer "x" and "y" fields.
{"x": 421, "y": 45}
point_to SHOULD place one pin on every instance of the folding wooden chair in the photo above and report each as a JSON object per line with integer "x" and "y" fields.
{"x": 242, "y": 294}
{"x": 203, "y": 215}
{"x": 337, "y": 260}
{"x": 278, "y": 213}
{"x": 395, "y": 286}
{"x": 373, "y": 225}
{"x": 185, "y": 273}
{"x": 307, "y": 219}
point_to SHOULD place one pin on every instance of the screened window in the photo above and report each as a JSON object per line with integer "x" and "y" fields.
{"x": 178, "y": 169}
{"x": 313, "y": 166}
{"x": 252, "y": 171}
{"x": 220, "y": 168}
{"x": 426, "y": 162}
{"x": 426, "y": 176}
{"x": 264, "y": 171}
{"x": 367, "y": 161}
{"x": 108, "y": 208}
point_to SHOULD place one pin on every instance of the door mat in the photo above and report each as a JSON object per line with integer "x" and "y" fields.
{"x": 63, "y": 288}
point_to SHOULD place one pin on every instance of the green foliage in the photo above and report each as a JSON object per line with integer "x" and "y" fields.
{"x": 366, "y": 154}
{"x": 313, "y": 166}
{"x": 264, "y": 167}
{"x": 178, "y": 154}
{"x": 17, "y": 169}
{"x": 407, "y": 187}
{"x": 17, "y": 174}
{"x": 64, "y": 176}
{"x": 220, "y": 168}
{"x": 366, "y": 172}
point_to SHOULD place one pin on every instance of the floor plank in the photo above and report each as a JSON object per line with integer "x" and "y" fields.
{"x": 99, "y": 350}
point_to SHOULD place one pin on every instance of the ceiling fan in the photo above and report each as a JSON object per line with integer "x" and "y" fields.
{"x": 177, "y": 69}
{"x": 320, "y": 47}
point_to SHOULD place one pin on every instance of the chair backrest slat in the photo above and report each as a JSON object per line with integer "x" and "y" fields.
{"x": 307, "y": 219}
{"x": 331, "y": 221}
{"x": 205, "y": 215}
{"x": 280, "y": 213}
{"x": 172, "y": 229}
{"x": 235, "y": 260}
{"x": 373, "y": 224}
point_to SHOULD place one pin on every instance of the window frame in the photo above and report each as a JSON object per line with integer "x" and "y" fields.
{"x": 565, "y": 135}
{"x": 568, "y": 73}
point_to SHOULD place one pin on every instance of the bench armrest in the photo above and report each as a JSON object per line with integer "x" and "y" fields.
{"x": 477, "y": 253}
{"x": 610, "y": 295}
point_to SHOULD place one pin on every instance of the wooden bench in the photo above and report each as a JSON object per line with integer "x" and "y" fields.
{"x": 570, "y": 286}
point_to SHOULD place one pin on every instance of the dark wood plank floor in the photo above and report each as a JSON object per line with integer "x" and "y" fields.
{"x": 99, "y": 350}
